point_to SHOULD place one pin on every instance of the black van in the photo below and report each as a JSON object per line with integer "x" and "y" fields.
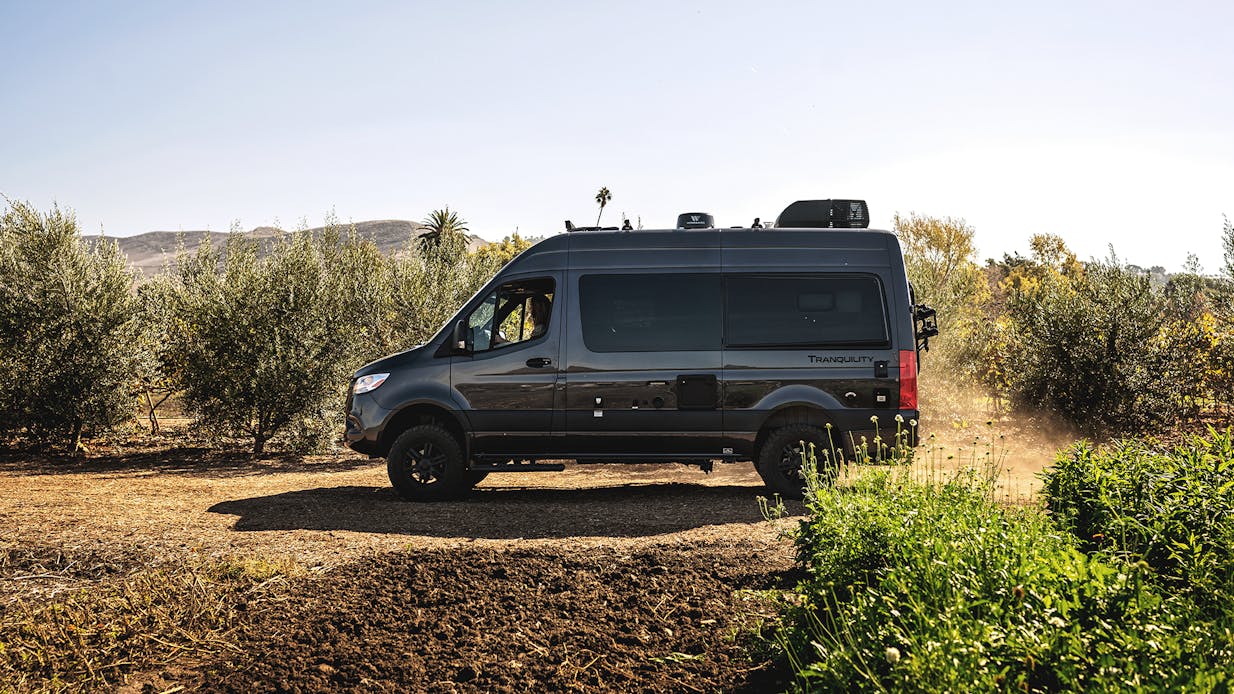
{"x": 685, "y": 345}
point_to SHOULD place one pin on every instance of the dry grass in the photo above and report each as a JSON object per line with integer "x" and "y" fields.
{"x": 83, "y": 639}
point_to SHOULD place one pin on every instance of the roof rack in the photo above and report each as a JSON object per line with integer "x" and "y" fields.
{"x": 570, "y": 227}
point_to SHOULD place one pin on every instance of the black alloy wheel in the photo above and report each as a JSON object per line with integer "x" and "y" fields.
{"x": 426, "y": 464}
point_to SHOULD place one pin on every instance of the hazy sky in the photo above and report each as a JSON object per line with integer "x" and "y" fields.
{"x": 1105, "y": 122}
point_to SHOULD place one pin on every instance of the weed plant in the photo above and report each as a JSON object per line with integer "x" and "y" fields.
{"x": 1170, "y": 509}
{"x": 917, "y": 580}
{"x": 89, "y": 639}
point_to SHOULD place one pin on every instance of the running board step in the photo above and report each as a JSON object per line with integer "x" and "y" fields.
{"x": 514, "y": 466}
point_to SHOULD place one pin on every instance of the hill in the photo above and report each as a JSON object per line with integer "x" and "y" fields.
{"x": 152, "y": 251}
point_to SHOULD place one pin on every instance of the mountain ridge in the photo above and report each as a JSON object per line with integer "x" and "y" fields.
{"x": 152, "y": 251}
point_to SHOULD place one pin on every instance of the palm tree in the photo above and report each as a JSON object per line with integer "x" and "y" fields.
{"x": 442, "y": 224}
{"x": 602, "y": 197}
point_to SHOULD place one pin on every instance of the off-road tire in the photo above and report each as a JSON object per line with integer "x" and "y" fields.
{"x": 779, "y": 458}
{"x": 426, "y": 464}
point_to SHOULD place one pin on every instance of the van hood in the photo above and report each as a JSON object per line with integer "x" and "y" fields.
{"x": 388, "y": 364}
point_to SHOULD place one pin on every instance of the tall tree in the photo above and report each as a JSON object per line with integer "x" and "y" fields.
{"x": 445, "y": 233}
{"x": 262, "y": 343}
{"x": 70, "y": 343}
{"x": 602, "y": 197}
{"x": 938, "y": 254}
{"x": 1227, "y": 242}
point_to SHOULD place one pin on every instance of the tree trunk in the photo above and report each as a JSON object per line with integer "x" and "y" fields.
{"x": 154, "y": 418}
{"x": 76, "y": 436}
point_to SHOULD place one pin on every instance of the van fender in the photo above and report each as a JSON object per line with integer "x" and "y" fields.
{"x": 408, "y": 411}
{"x": 798, "y": 395}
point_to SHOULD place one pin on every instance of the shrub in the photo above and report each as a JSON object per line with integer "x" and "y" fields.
{"x": 263, "y": 345}
{"x": 1170, "y": 508}
{"x": 930, "y": 586}
{"x": 68, "y": 329}
{"x": 426, "y": 288}
{"x": 1082, "y": 350}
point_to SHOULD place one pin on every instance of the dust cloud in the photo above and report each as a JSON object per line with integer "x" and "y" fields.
{"x": 966, "y": 427}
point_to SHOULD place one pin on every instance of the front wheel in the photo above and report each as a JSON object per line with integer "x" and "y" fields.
{"x": 426, "y": 464}
{"x": 781, "y": 456}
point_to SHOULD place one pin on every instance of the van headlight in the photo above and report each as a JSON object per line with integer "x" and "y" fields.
{"x": 368, "y": 383}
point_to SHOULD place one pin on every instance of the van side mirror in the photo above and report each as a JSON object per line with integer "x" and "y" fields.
{"x": 459, "y": 338}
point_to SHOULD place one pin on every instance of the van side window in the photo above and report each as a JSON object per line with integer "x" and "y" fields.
{"x": 516, "y": 312}
{"x": 650, "y": 312}
{"x": 805, "y": 311}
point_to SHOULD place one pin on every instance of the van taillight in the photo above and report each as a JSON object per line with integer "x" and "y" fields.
{"x": 908, "y": 379}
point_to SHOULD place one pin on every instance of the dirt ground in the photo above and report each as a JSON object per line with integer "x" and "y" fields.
{"x": 598, "y": 578}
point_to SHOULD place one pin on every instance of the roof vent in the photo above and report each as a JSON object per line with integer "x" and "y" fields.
{"x": 825, "y": 214}
{"x": 695, "y": 220}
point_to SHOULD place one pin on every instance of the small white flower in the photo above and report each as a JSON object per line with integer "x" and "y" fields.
{"x": 893, "y": 655}
{"x": 1057, "y": 621}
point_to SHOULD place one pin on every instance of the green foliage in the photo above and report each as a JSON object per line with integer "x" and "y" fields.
{"x": 496, "y": 255}
{"x": 425, "y": 290}
{"x": 1170, "y": 508}
{"x": 263, "y": 345}
{"x": 1227, "y": 244}
{"x": 446, "y": 236}
{"x": 930, "y": 586}
{"x": 69, "y": 347}
{"x": 1081, "y": 349}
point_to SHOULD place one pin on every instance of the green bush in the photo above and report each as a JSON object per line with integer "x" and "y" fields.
{"x": 69, "y": 348}
{"x": 262, "y": 345}
{"x": 1082, "y": 349}
{"x": 426, "y": 288}
{"x": 930, "y": 586}
{"x": 1172, "y": 509}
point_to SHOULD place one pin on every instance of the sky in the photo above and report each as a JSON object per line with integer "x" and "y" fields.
{"x": 1103, "y": 122}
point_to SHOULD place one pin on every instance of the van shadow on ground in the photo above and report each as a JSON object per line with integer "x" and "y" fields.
{"x": 505, "y": 513}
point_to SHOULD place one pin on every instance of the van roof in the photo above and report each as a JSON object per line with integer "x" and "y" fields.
{"x": 772, "y": 249}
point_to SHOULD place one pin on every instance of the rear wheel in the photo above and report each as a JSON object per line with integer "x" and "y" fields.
{"x": 426, "y": 464}
{"x": 780, "y": 458}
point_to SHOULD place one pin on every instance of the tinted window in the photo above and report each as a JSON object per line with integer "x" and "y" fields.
{"x": 650, "y": 313}
{"x": 820, "y": 310}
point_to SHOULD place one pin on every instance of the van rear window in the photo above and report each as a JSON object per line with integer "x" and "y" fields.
{"x": 650, "y": 312}
{"x": 771, "y": 311}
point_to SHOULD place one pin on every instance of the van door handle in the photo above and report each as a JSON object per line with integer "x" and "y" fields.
{"x": 539, "y": 362}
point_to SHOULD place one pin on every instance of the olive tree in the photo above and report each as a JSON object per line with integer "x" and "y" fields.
{"x": 427, "y": 288}
{"x": 69, "y": 347}
{"x": 1083, "y": 349}
{"x": 262, "y": 343}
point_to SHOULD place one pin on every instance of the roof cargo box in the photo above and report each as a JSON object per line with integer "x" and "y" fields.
{"x": 825, "y": 214}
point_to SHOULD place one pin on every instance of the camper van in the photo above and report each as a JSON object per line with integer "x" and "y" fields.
{"x": 688, "y": 345}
